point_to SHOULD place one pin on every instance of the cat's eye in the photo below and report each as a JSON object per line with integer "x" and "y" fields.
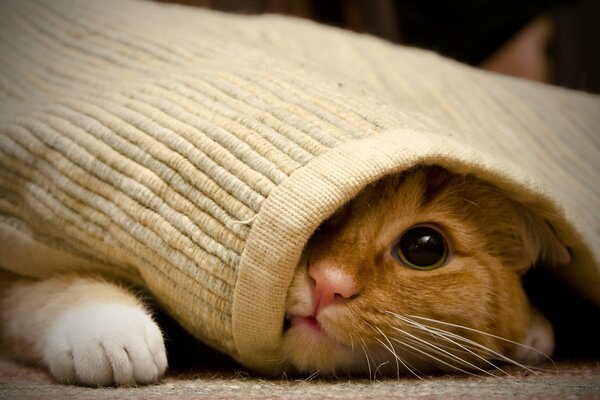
{"x": 422, "y": 247}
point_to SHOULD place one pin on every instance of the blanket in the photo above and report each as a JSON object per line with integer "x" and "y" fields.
{"x": 194, "y": 153}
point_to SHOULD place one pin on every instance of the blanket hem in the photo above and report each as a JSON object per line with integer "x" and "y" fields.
{"x": 312, "y": 193}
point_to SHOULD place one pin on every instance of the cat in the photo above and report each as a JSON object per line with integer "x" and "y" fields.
{"x": 84, "y": 330}
{"x": 421, "y": 271}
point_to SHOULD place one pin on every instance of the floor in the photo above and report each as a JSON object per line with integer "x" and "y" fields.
{"x": 566, "y": 380}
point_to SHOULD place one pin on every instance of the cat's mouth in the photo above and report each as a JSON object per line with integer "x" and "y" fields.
{"x": 308, "y": 322}
{"x": 307, "y": 332}
{"x": 311, "y": 322}
{"x": 309, "y": 327}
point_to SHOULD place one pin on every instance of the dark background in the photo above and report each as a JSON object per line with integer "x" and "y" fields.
{"x": 559, "y": 39}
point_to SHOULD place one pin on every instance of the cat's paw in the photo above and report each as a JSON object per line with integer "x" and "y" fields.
{"x": 538, "y": 343}
{"x": 105, "y": 344}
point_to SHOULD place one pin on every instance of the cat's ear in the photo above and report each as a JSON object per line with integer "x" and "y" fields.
{"x": 540, "y": 244}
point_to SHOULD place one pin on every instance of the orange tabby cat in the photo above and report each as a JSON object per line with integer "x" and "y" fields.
{"x": 420, "y": 271}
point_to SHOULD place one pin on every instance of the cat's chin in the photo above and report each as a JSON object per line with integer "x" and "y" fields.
{"x": 312, "y": 350}
{"x": 309, "y": 348}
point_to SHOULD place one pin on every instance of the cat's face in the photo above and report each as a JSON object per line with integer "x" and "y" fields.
{"x": 408, "y": 276}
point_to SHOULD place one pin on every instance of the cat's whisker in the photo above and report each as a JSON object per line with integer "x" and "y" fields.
{"x": 311, "y": 377}
{"x": 500, "y": 356}
{"x": 402, "y": 343}
{"x": 425, "y": 348}
{"x": 484, "y": 333}
{"x": 428, "y": 347}
{"x": 437, "y": 335}
{"x": 437, "y": 349}
{"x": 377, "y": 369}
{"x": 420, "y": 345}
{"x": 428, "y": 354}
{"x": 393, "y": 352}
{"x": 446, "y": 353}
{"x": 397, "y": 358}
{"x": 404, "y": 363}
{"x": 452, "y": 359}
{"x": 391, "y": 349}
{"x": 471, "y": 202}
{"x": 364, "y": 347}
{"x": 447, "y": 334}
{"x": 457, "y": 347}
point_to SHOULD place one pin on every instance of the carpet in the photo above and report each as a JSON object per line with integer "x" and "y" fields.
{"x": 566, "y": 380}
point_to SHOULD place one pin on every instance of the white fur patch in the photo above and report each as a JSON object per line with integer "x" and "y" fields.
{"x": 538, "y": 344}
{"x": 105, "y": 344}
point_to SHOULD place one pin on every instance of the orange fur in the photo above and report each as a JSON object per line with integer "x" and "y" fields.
{"x": 479, "y": 287}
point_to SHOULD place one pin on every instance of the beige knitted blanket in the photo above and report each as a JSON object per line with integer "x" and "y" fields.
{"x": 194, "y": 152}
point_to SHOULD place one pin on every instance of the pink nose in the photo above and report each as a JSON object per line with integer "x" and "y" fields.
{"x": 332, "y": 285}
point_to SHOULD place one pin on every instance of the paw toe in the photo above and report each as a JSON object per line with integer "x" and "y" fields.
{"x": 61, "y": 366}
{"x": 106, "y": 344}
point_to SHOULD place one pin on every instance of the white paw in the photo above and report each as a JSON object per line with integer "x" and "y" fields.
{"x": 538, "y": 344}
{"x": 105, "y": 344}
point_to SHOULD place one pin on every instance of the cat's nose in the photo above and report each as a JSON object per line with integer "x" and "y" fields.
{"x": 331, "y": 285}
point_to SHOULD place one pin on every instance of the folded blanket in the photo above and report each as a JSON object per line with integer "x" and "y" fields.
{"x": 194, "y": 153}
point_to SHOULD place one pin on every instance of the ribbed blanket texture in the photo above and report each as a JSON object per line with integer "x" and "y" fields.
{"x": 194, "y": 153}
